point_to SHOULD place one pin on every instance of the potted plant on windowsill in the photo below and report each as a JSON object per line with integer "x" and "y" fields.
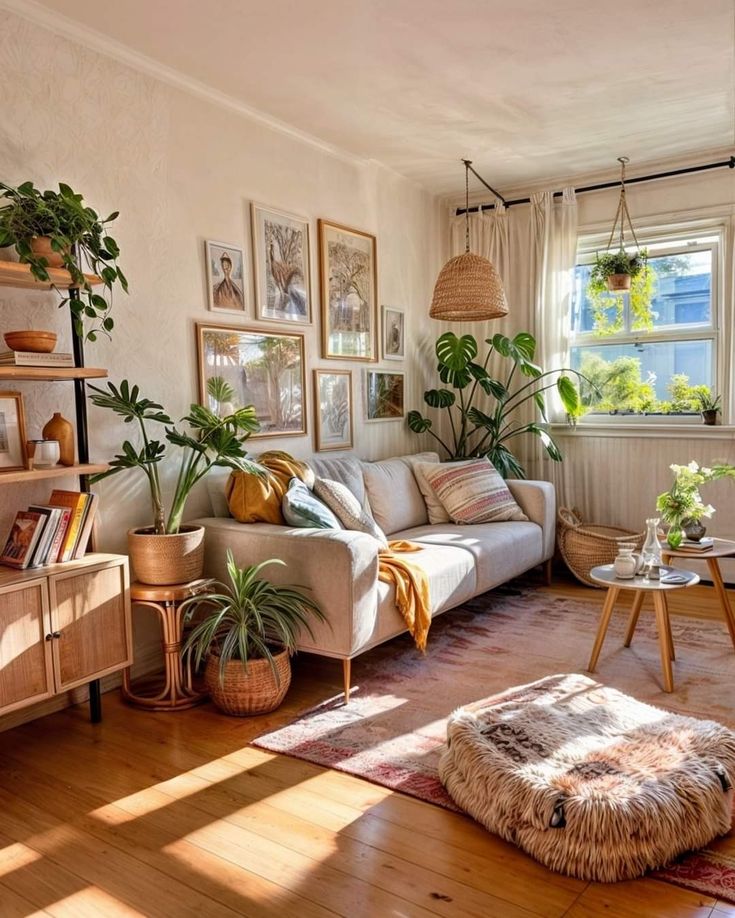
{"x": 246, "y": 636}
{"x": 56, "y": 229}
{"x": 169, "y": 552}
{"x": 709, "y": 406}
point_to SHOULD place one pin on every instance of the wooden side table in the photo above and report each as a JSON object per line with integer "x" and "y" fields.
{"x": 721, "y": 548}
{"x": 605, "y": 575}
{"x": 177, "y": 692}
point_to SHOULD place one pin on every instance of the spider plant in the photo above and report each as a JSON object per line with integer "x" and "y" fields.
{"x": 247, "y": 618}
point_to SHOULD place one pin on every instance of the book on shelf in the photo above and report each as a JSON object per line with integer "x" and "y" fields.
{"x": 83, "y": 507}
{"x": 52, "y": 516}
{"x": 23, "y": 538}
{"x": 32, "y": 359}
{"x": 695, "y": 547}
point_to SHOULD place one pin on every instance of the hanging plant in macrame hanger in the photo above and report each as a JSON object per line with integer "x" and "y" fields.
{"x": 617, "y": 272}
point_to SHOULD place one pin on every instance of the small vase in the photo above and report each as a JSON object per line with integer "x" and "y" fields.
{"x": 651, "y": 551}
{"x": 58, "y": 428}
{"x": 693, "y": 530}
{"x": 675, "y": 536}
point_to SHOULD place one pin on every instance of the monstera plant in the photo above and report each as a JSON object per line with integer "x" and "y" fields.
{"x": 484, "y": 409}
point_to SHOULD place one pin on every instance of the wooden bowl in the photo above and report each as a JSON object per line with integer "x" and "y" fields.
{"x": 40, "y": 342}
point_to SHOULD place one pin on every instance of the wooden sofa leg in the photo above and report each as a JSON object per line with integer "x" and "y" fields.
{"x": 548, "y": 570}
{"x": 346, "y": 670}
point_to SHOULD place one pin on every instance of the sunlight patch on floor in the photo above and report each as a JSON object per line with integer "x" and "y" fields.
{"x": 93, "y": 901}
{"x": 16, "y": 856}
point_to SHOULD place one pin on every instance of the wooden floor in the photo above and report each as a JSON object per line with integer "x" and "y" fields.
{"x": 173, "y": 815}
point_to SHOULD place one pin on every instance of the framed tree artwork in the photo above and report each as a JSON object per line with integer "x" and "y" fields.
{"x": 384, "y": 395}
{"x": 282, "y": 264}
{"x": 333, "y": 409}
{"x": 242, "y": 366}
{"x": 12, "y": 432}
{"x": 225, "y": 277}
{"x": 349, "y": 281}
{"x": 394, "y": 333}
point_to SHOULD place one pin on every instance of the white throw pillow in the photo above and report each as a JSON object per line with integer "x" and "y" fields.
{"x": 346, "y": 507}
{"x": 472, "y": 492}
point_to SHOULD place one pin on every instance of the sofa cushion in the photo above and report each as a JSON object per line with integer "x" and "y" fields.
{"x": 303, "y": 509}
{"x": 346, "y": 507}
{"x": 500, "y": 550}
{"x": 472, "y": 492}
{"x": 348, "y": 471}
{"x": 394, "y": 495}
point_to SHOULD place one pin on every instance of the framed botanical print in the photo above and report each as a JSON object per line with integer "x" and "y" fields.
{"x": 384, "y": 395}
{"x": 282, "y": 265}
{"x": 225, "y": 277}
{"x": 394, "y": 333}
{"x": 12, "y": 432}
{"x": 242, "y": 366}
{"x": 333, "y": 409}
{"x": 349, "y": 282}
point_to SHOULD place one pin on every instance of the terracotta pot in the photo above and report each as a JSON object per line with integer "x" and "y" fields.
{"x": 41, "y": 247}
{"x": 252, "y": 691}
{"x": 618, "y": 282}
{"x": 161, "y": 560}
{"x": 58, "y": 428}
{"x": 710, "y": 417}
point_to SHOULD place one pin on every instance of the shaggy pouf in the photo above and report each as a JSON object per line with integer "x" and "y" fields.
{"x": 589, "y": 781}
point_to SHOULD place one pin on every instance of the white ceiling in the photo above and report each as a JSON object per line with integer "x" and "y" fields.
{"x": 528, "y": 89}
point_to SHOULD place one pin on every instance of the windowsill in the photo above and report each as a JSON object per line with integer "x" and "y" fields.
{"x": 643, "y": 428}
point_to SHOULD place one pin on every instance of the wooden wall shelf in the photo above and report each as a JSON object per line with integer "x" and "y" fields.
{"x": 52, "y": 374}
{"x": 14, "y": 274}
{"x": 56, "y": 471}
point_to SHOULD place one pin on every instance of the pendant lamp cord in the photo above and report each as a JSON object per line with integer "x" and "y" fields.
{"x": 467, "y": 165}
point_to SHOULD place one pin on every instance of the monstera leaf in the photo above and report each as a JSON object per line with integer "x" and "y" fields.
{"x": 417, "y": 423}
{"x": 439, "y": 398}
{"x": 455, "y": 357}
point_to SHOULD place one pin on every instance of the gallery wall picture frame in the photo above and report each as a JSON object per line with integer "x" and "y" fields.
{"x": 13, "y": 455}
{"x": 333, "y": 415}
{"x": 281, "y": 265}
{"x": 394, "y": 333}
{"x": 384, "y": 395}
{"x": 348, "y": 277}
{"x": 241, "y": 366}
{"x": 227, "y": 282}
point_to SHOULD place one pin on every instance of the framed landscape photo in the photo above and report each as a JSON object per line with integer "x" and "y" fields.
{"x": 243, "y": 366}
{"x": 349, "y": 282}
{"x": 282, "y": 265}
{"x": 225, "y": 277}
{"x": 12, "y": 432}
{"x": 384, "y": 395}
{"x": 333, "y": 409}
{"x": 394, "y": 333}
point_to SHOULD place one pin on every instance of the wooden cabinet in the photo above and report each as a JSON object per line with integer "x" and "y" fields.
{"x": 62, "y": 626}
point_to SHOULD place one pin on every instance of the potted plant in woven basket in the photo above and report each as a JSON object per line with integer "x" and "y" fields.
{"x": 246, "y": 635}
{"x": 169, "y": 552}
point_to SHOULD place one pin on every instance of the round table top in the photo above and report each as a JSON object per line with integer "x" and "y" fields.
{"x": 721, "y": 548}
{"x": 605, "y": 575}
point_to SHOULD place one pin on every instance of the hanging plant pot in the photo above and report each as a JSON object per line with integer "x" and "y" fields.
{"x": 619, "y": 283}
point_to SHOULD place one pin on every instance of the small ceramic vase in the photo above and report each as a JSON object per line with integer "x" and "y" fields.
{"x": 693, "y": 530}
{"x": 47, "y": 454}
{"x": 58, "y": 428}
{"x": 628, "y": 563}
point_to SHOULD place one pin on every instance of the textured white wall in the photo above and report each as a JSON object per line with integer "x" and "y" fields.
{"x": 182, "y": 169}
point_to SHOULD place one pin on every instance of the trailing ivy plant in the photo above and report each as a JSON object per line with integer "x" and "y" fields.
{"x": 486, "y": 431}
{"x": 640, "y": 295}
{"x": 78, "y": 235}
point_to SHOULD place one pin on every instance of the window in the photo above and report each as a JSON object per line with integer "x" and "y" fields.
{"x": 655, "y": 371}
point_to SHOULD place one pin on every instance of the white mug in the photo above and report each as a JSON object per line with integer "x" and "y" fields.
{"x": 47, "y": 454}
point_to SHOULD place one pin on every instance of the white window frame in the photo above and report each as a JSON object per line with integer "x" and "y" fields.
{"x": 657, "y": 237}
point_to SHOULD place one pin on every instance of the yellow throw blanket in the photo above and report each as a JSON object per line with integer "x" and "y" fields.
{"x": 412, "y": 588}
{"x": 255, "y": 499}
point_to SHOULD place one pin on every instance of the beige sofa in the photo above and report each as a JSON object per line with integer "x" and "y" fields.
{"x": 341, "y": 566}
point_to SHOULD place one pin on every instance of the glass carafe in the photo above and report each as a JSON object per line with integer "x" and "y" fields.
{"x": 651, "y": 551}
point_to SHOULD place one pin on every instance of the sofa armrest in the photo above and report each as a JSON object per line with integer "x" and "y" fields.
{"x": 338, "y": 566}
{"x": 537, "y": 499}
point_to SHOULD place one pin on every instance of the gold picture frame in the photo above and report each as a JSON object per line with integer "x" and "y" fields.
{"x": 254, "y": 366}
{"x": 333, "y": 413}
{"x": 13, "y": 453}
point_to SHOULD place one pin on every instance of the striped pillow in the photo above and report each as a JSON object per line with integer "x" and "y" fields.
{"x": 472, "y": 492}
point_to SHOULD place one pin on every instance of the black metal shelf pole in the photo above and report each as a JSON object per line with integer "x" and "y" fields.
{"x": 80, "y": 406}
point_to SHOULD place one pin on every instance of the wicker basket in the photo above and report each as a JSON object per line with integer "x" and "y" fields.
{"x": 251, "y": 691}
{"x": 587, "y": 545}
{"x": 468, "y": 289}
{"x": 161, "y": 560}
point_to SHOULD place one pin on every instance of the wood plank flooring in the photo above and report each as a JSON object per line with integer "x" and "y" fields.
{"x": 173, "y": 814}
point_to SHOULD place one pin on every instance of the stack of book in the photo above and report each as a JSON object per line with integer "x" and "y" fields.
{"x": 696, "y": 547}
{"x": 32, "y": 359}
{"x": 51, "y": 533}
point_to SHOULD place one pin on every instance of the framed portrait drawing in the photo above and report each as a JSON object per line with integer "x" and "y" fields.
{"x": 242, "y": 366}
{"x": 225, "y": 277}
{"x": 349, "y": 281}
{"x": 12, "y": 432}
{"x": 333, "y": 409}
{"x": 394, "y": 333}
{"x": 384, "y": 395}
{"x": 282, "y": 265}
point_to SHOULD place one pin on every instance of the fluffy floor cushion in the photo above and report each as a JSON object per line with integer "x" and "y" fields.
{"x": 590, "y": 782}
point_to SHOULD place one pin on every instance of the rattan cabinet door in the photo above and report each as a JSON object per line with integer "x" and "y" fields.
{"x": 26, "y": 674}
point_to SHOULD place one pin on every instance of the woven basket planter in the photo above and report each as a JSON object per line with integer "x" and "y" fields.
{"x": 248, "y": 691}
{"x": 161, "y": 560}
{"x": 587, "y": 545}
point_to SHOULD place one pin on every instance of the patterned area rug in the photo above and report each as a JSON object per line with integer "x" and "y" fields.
{"x": 393, "y": 729}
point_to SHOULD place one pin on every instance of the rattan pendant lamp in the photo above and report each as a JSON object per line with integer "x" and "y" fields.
{"x": 468, "y": 288}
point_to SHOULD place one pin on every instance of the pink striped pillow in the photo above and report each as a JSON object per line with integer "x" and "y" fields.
{"x": 472, "y": 492}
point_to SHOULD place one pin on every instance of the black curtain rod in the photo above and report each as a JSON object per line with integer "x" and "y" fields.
{"x": 601, "y": 186}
